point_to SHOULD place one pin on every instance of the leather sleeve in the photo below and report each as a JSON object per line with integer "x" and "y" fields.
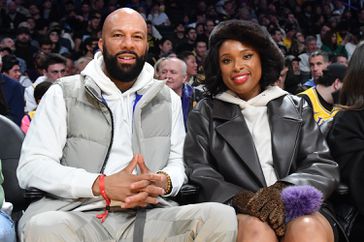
{"x": 200, "y": 162}
{"x": 313, "y": 164}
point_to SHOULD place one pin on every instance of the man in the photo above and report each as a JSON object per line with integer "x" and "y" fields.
{"x": 11, "y": 67}
{"x": 54, "y": 67}
{"x": 113, "y": 133}
{"x": 201, "y": 51}
{"x": 277, "y": 36}
{"x": 13, "y": 93}
{"x": 294, "y": 79}
{"x": 174, "y": 71}
{"x": 189, "y": 44}
{"x": 311, "y": 46}
{"x": 178, "y": 35}
{"x": 193, "y": 78}
{"x": 23, "y": 46}
{"x": 318, "y": 62}
{"x": 7, "y": 44}
{"x": 45, "y": 45}
{"x": 323, "y": 30}
{"x": 323, "y": 97}
{"x": 341, "y": 59}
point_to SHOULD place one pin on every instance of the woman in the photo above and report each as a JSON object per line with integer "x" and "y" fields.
{"x": 330, "y": 45}
{"x": 250, "y": 139}
{"x": 346, "y": 138}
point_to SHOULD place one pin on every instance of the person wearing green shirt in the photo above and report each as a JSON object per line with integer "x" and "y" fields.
{"x": 7, "y": 226}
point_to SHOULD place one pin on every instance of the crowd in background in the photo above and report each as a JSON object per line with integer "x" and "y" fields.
{"x": 72, "y": 28}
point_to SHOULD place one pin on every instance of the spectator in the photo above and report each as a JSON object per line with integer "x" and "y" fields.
{"x": 330, "y": 45}
{"x": 8, "y": 42}
{"x": 107, "y": 163}
{"x": 70, "y": 65}
{"x": 294, "y": 80}
{"x": 174, "y": 71}
{"x": 277, "y": 36}
{"x": 158, "y": 17}
{"x": 178, "y": 35}
{"x": 46, "y": 45}
{"x": 14, "y": 16}
{"x": 234, "y": 147}
{"x": 7, "y": 45}
{"x": 341, "y": 59}
{"x": 190, "y": 42}
{"x": 318, "y": 61}
{"x": 81, "y": 63}
{"x": 54, "y": 67}
{"x": 11, "y": 68}
{"x": 14, "y": 97}
{"x": 346, "y": 143}
{"x": 88, "y": 47}
{"x": 325, "y": 95}
{"x": 92, "y": 29}
{"x": 39, "y": 60}
{"x": 201, "y": 51}
{"x": 60, "y": 45}
{"x": 209, "y": 26}
{"x": 281, "y": 82}
{"x": 165, "y": 47}
{"x": 189, "y": 58}
{"x": 311, "y": 46}
{"x": 350, "y": 41}
{"x": 39, "y": 91}
{"x": 298, "y": 44}
{"x": 23, "y": 47}
{"x": 319, "y": 37}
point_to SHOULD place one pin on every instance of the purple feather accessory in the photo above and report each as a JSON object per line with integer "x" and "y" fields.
{"x": 301, "y": 200}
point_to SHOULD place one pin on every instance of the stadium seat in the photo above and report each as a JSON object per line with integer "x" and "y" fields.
{"x": 10, "y": 146}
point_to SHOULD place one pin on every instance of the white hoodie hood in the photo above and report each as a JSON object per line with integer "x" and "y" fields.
{"x": 261, "y": 100}
{"x": 255, "y": 114}
{"x": 111, "y": 92}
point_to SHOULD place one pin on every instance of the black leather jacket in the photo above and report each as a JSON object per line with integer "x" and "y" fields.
{"x": 221, "y": 156}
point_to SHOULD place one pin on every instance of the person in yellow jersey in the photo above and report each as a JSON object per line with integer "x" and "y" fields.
{"x": 324, "y": 96}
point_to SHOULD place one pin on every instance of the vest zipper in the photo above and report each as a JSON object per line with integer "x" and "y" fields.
{"x": 111, "y": 141}
{"x": 103, "y": 102}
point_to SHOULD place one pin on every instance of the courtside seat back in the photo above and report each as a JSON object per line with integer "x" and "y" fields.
{"x": 11, "y": 138}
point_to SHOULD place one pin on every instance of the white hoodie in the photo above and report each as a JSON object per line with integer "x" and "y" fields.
{"x": 256, "y": 117}
{"x": 39, "y": 164}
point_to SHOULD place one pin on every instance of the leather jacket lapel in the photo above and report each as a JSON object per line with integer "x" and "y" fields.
{"x": 285, "y": 123}
{"x": 236, "y": 133}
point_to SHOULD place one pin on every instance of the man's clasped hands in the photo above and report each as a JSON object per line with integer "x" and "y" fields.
{"x": 131, "y": 190}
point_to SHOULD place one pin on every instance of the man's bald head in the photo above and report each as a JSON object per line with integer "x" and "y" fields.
{"x": 124, "y": 46}
{"x": 124, "y": 16}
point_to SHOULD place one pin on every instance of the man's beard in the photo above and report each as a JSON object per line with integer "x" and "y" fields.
{"x": 122, "y": 72}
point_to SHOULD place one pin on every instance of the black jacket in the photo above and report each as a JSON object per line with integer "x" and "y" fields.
{"x": 221, "y": 156}
{"x": 346, "y": 140}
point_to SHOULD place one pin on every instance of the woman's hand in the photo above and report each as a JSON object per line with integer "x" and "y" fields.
{"x": 267, "y": 205}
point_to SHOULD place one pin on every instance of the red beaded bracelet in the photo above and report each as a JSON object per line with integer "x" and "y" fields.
{"x": 107, "y": 200}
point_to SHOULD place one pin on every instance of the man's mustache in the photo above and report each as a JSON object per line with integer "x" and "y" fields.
{"x": 126, "y": 52}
